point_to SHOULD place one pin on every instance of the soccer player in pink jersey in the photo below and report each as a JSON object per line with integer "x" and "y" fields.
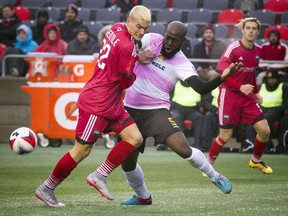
{"x": 101, "y": 107}
{"x": 148, "y": 102}
{"x": 239, "y": 97}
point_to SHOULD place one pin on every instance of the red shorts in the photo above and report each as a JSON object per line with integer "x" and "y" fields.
{"x": 90, "y": 127}
{"x": 235, "y": 109}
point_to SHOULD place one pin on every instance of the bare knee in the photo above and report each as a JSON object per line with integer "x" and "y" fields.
{"x": 80, "y": 151}
{"x": 263, "y": 130}
{"x": 225, "y": 135}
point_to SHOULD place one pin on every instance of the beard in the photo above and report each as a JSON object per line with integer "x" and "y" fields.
{"x": 168, "y": 55}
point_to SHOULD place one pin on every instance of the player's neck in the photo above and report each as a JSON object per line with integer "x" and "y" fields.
{"x": 247, "y": 44}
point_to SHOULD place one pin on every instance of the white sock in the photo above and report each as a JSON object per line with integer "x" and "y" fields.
{"x": 135, "y": 179}
{"x": 199, "y": 161}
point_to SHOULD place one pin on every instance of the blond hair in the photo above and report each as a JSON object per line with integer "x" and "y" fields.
{"x": 140, "y": 12}
{"x": 241, "y": 24}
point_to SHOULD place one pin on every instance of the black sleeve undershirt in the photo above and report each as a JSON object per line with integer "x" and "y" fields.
{"x": 201, "y": 86}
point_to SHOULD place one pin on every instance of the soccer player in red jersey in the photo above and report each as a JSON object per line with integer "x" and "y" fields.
{"x": 239, "y": 97}
{"x": 101, "y": 107}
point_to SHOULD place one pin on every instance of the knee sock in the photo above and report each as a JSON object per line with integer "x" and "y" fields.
{"x": 215, "y": 150}
{"x": 61, "y": 171}
{"x": 199, "y": 161}
{"x": 259, "y": 148}
{"x": 115, "y": 157}
{"x": 135, "y": 179}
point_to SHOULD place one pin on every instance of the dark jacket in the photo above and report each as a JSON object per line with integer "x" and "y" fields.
{"x": 8, "y": 30}
{"x": 76, "y": 48}
{"x": 216, "y": 51}
{"x": 69, "y": 30}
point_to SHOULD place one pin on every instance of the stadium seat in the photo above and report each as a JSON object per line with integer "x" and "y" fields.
{"x": 3, "y": 2}
{"x": 215, "y": 6}
{"x": 154, "y": 5}
{"x": 169, "y": 14}
{"x": 34, "y": 3}
{"x": 228, "y": 41}
{"x": 221, "y": 30}
{"x": 230, "y": 17}
{"x": 192, "y": 30}
{"x": 93, "y": 4}
{"x": 199, "y": 16}
{"x": 62, "y": 3}
{"x": 284, "y": 19}
{"x": 185, "y": 5}
{"x": 84, "y": 14}
{"x": 277, "y": 6}
{"x": 193, "y": 42}
{"x": 94, "y": 28}
{"x": 266, "y": 17}
{"x": 157, "y": 28}
{"x": 261, "y": 41}
{"x": 108, "y": 16}
{"x": 237, "y": 33}
{"x": 23, "y": 13}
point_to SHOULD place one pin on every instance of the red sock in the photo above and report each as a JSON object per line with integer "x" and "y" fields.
{"x": 215, "y": 150}
{"x": 61, "y": 171}
{"x": 116, "y": 156}
{"x": 259, "y": 148}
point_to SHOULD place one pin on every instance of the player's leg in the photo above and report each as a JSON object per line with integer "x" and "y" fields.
{"x": 135, "y": 178}
{"x": 218, "y": 144}
{"x": 263, "y": 133}
{"x": 178, "y": 143}
{"x": 69, "y": 161}
{"x": 131, "y": 140}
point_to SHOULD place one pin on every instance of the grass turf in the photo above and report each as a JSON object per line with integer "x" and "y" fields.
{"x": 176, "y": 187}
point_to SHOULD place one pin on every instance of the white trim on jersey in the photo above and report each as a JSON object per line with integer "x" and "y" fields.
{"x": 89, "y": 126}
{"x": 231, "y": 47}
{"x": 221, "y": 105}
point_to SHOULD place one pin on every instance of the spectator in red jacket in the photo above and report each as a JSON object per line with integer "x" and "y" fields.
{"x": 274, "y": 49}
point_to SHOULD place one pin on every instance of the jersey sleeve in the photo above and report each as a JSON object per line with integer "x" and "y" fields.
{"x": 150, "y": 41}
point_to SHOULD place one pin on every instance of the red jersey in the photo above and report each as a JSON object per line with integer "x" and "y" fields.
{"x": 102, "y": 94}
{"x": 237, "y": 52}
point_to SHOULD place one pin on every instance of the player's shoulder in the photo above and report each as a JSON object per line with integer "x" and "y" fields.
{"x": 231, "y": 47}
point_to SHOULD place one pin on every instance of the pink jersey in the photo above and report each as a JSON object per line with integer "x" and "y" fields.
{"x": 102, "y": 94}
{"x": 236, "y": 52}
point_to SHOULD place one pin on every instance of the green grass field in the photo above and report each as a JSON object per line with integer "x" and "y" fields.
{"x": 177, "y": 188}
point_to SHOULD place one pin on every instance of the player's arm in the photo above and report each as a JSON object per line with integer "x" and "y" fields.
{"x": 126, "y": 64}
{"x": 203, "y": 87}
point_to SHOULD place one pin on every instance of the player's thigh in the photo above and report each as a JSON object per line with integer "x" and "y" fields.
{"x": 132, "y": 135}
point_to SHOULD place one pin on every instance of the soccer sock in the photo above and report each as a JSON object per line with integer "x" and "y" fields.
{"x": 136, "y": 181}
{"x": 61, "y": 171}
{"x": 215, "y": 150}
{"x": 116, "y": 156}
{"x": 259, "y": 148}
{"x": 199, "y": 161}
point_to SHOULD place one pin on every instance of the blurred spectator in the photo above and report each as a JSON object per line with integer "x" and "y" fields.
{"x": 2, "y": 50}
{"x": 37, "y": 29}
{"x": 208, "y": 48}
{"x": 24, "y": 44}
{"x": 125, "y": 6}
{"x": 8, "y": 26}
{"x": 274, "y": 49}
{"x": 53, "y": 41}
{"x": 210, "y": 126}
{"x": 185, "y": 105}
{"x": 249, "y": 6}
{"x": 102, "y": 33}
{"x": 275, "y": 105}
{"x": 83, "y": 44}
{"x": 71, "y": 23}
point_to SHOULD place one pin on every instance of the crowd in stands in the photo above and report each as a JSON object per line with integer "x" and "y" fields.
{"x": 69, "y": 29}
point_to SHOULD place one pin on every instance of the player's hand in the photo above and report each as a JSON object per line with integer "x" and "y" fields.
{"x": 233, "y": 67}
{"x": 258, "y": 98}
{"x": 146, "y": 57}
{"x": 247, "y": 89}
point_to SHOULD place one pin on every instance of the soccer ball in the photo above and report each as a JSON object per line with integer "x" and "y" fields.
{"x": 23, "y": 140}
